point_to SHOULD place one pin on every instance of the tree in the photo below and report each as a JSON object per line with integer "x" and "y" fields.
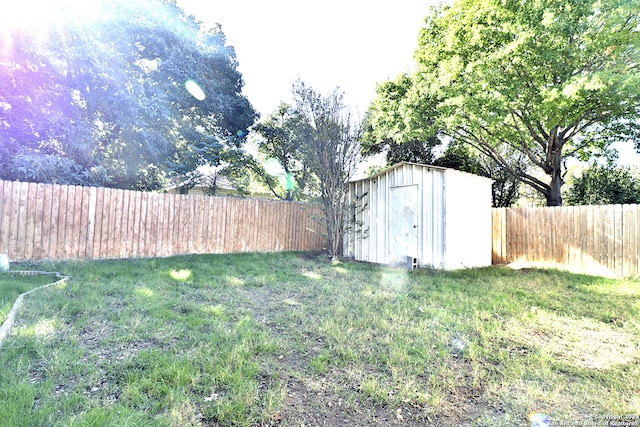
{"x": 400, "y": 124}
{"x": 282, "y": 134}
{"x": 330, "y": 141}
{"x": 549, "y": 79}
{"x": 605, "y": 185}
{"x": 108, "y": 99}
{"x": 504, "y": 191}
{"x": 233, "y": 167}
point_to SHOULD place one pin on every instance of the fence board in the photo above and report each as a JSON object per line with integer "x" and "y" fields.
{"x": 30, "y": 223}
{"x": 200, "y": 225}
{"x": 229, "y": 227}
{"x": 618, "y": 240}
{"x": 188, "y": 224}
{"x": 264, "y": 225}
{"x": 145, "y": 227}
{"x": 97, "y": 224}
{"x": 592, "y": 239}
{"x": 136, "y": 200}
{"x": 161, "y": 221}
{"x": 633, "y": 237}
{"x": 635, "y": 260}
{"x": 573, "y": 255}
{"x": 167, "y": 229}
{"x": 74, "y": 221}
{"x": 21, "y": 214}
{"x": 108, "y": 226}
{"x": 179, "y": 232}
{"x": 503, "y": 233}
{"x": 154, "y": 222}
{"x": 588, "y": 235}
{"x": 58, "y": 212}
{"x": 112, "y": 237}
{"x": 185, "y": 224}
{"x": 124, "y": 239}
{"x": 38, "y": 207}
{"x": 628, "y": 246}
{"x": 496, "y": 223}
{"x": 218, "y": 213}
{"x": 606, "y": 230}
{"x": 209, "y": 231}
{"x": 273, "y": 224}
{"x": 5, "y": 216}
{"x": 89, "y": 217}
{"x": 54, "y": 222}
{"x": 53, "y": 218}
{"x": 116, "y": 224}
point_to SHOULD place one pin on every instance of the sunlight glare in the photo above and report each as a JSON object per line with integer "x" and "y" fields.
{"x": 538, "y": 419}
{"x": 273, "y": 167}
{"x": 180, "y": 275}
{"x": 340, "y": 270}
{"x": 36, "y": 14}
{"x": 234, "y": 281}
{"x": 583, "y": 342}
{"x": 215, "y": 310}
{"x": 43, "y": 328}
{"x": 195, "y": 90}
{"x": 143, "y": 291}
{"x": 394, "y": 281}
{"x": 312, "y": 275}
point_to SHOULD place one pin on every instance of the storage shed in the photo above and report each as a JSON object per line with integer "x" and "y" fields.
{"x": 420, "y": 214}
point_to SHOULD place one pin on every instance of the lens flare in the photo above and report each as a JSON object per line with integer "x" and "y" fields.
{"x": 539, "y": 419}
{"x": 195, "y": 90}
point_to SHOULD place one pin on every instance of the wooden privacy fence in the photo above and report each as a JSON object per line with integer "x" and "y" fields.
{"x": 55, "y": 222}
{"x": 600, "y": 240}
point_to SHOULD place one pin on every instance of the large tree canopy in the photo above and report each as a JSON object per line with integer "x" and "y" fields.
{"x": 122, "y": 97}
{"x": 549, "y": 79}
{"x": 400, "y": 122}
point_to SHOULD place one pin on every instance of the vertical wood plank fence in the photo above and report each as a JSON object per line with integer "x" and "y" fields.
{"x": 56, "y": 222}
{"x": 601, "y": 240}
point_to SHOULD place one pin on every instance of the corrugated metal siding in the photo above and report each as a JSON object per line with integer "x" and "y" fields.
{"x": 432, "y": 220}
{"x": 370, "y": 240}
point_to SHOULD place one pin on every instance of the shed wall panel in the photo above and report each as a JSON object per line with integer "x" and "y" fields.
{"x": 432, "y": 248}
{"x": 468, "y": 221}
{"x": 453, "y": 216}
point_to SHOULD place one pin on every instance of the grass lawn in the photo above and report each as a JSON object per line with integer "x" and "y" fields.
{"x": 12, "y": 285}
{"x": 291, "y": 339}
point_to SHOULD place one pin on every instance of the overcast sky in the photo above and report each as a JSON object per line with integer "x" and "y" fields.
{"x": 353, "y": 44}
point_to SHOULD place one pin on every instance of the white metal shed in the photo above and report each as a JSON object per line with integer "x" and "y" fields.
{"x": 434, "y": 216}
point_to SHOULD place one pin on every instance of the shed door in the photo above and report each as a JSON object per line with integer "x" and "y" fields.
{"x": 403, "y": 222}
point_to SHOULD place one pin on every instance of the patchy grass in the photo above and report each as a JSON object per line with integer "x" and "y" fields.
{"x": 291, "y": 339}
{"x": 12, "y": 285}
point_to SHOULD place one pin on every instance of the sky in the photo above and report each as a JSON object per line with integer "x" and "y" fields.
{"x": 350, "y": 44}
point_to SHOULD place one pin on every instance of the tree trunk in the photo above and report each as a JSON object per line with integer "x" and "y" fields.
{"x": 554, "y": 168}
{"x": 554, "y": 198}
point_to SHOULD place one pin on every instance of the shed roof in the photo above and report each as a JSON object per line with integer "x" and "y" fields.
{"x": 428, "y": 167}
